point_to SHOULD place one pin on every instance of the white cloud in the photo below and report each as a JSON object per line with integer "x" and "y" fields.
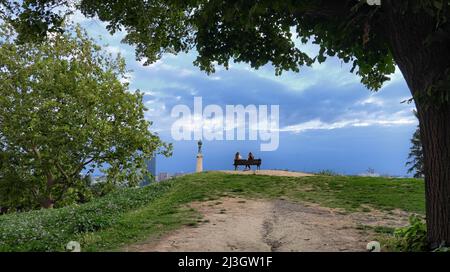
{"x": 173, "y": 72}
{"x": 115, "y": 50}
{"x": 78, "y": 18}
{"x": 371, "y": 100}
{"x": 160, "y": 65}
{"x": 397, "y": 119}
{"x": 315, "y": 124}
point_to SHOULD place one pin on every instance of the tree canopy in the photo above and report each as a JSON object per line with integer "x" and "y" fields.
{"x": 64, "y": 112}
{"x": 256, "y": 32}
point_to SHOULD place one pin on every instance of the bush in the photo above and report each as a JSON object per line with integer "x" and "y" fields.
{"x": 51, "y": 229}
{"x": 412, "y": 238}
{"x": 101, "y": 189}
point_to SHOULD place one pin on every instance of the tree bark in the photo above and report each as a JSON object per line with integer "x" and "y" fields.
{"x": 422, "y": 66}
{"x": 48, "y": 202}
{"x": 435, "y": 134}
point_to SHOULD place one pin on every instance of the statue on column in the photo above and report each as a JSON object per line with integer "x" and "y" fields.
{"x": 199, "y": 167}
{"x": 200, "y": 146}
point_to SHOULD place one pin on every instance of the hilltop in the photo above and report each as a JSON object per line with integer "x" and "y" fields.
{"x": 277, "y": 207}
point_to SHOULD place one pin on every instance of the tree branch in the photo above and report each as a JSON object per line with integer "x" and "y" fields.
{"x": 58, "y": 165}
{"x": 329, "y": 9}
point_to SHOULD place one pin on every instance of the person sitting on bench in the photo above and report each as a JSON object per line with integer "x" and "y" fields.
{"x": 251, "y": 161}
{"x": 250, "y": 158}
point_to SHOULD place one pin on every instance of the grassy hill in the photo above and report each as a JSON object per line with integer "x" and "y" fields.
{"x": 132, "y": 215}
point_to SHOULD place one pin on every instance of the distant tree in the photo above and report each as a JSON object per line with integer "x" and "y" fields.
{"x": 63, "y": 113}
{"x": 370, "y": 171}
{"x": 414, "y": 35}
{"x": 415, "y": 157}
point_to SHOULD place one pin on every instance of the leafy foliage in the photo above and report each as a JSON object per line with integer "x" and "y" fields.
{"x": 63, "y": 113}
{"x": 256, "y": 32}
{"x": 442, "y": 249}
{"x": 101, "y": 189}
{"x": 413, "y": 237}
{"x": 51, "y": 229}
{"x": 34, "y": 19}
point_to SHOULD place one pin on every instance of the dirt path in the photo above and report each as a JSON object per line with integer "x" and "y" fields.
{"x": 234, "y": 224}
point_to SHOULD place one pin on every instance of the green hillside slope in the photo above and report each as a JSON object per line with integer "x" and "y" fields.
{"x": 132, "y": 215}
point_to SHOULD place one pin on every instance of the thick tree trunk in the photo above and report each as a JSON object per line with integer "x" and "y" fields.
{"x": 47, "y": 203}
{"x": 422, "y": 66}
{"x": 435, "y": 135}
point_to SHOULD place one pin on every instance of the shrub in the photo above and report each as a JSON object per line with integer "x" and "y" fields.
{"x": 101, "y": 189}
{"x": 50, "y": 230}
{"x": 413, "y": 237}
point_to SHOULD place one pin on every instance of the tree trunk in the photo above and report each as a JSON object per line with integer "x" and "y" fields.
{"x": 423, "y": 65}
{"x": 47, "y": 203}
{"x": 435, "y": 134}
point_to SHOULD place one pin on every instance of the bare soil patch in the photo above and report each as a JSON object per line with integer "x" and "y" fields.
{"x": 236, "y": 224}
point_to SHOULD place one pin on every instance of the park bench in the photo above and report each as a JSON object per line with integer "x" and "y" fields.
{"x": 247, "y": 163}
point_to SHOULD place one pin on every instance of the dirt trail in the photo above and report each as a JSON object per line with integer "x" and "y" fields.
{"x": 234, "y": 224}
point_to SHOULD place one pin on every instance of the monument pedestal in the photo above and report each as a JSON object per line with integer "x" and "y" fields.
{"x": 199, "y": 167}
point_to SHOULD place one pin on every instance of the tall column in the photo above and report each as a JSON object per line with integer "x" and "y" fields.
{"x": 199, "y": 167}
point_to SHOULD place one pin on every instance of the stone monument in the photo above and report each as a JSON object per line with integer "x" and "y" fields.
{"x": 199, "y": 167}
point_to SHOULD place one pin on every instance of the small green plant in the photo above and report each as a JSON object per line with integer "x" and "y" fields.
{"x": 413, "y": 237}
{"x": 442, "y": 248}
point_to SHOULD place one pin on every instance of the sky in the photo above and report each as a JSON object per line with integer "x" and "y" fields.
{"x": 327, "y": 119}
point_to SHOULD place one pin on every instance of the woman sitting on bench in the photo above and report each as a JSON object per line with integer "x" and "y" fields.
{"x": 250, "y": 158}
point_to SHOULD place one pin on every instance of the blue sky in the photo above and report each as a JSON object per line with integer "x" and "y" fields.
{"x": 328, "y": 119}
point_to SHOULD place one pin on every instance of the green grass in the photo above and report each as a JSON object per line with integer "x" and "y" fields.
{"x": 135, "y": 215}
{"x": 349, "y": 193}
